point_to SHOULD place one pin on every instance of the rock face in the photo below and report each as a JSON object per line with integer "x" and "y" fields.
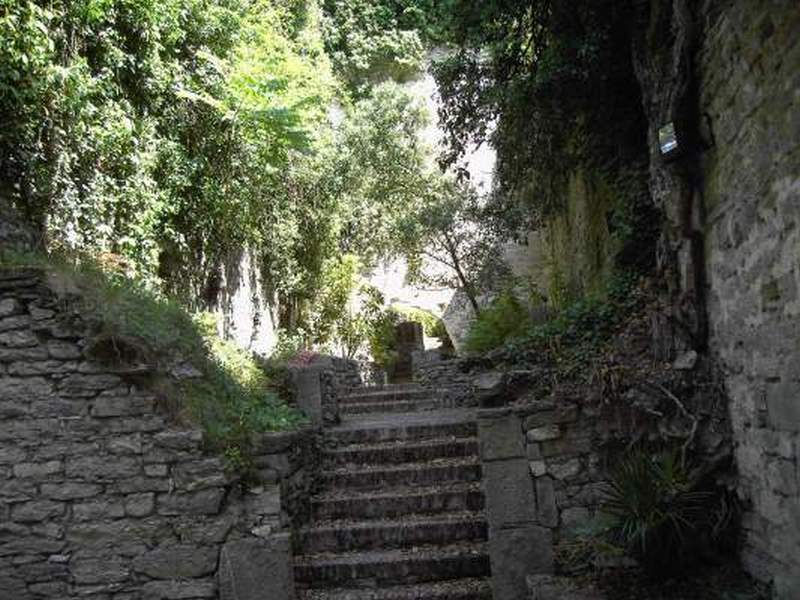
{"x": 750, "y": 89}
{"x": 101, "y": 495}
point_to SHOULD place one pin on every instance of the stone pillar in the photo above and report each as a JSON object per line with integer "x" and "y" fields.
{"x": 518, "y": 544}
{"x": 410, "y": 339}
{"x": 257, "y": 568}
{"x": 310, "y": 393}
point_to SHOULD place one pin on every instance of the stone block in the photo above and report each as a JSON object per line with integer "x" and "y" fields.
{"x": 44, "y": 367}
{"x": 549, "y": 587}
{"x": 309, "y": 393}
{"x": 14, "y": 322}
{"x": 203, "y": 502}
{"x": 87, "y": 385}
{"x": 133, "y": 485}
{"x": 36, "y": 510}
{"x": 62, "y": 350}
{"x": 96, "y": 570}
{"x": 16, "y": 354}
{"x": 104, "y": 508}
{"x": 546, "y": 502}
{"x": 178, "y": 561}
{"x": 200, "y": 474}
{"x": 13, "y": 410}
{"x": 38, "y": 470}
{"x": 783, "y": 406}
{"x": 108, "y": 405}
{"x": 500, "y": 437}
{"x": 190, "y": 439}
{"x": 204, "y": 530}
{"x": 140, "y": 505}
{"x": 265, "y": 501}
{"x": 508, "y": 488}
{"x": 516, "y": 554}
{"x": 257, "y": 569}
{"x": 25, "y": 389}
{"x": 543, "y": 434}
{"x": 125, "y": 444}
{"x": 156, "y": 470}
{"x": 97, "y": 468}
{"x": 179, "y": 590}
{"x": 565, "y": 469}
{"x": 538, "y": 467}
{"x": 9, "y": 307}
{"x": 18, "y": 339}
{"x": 70, "y": 490}
{"x": 533, "y": 451}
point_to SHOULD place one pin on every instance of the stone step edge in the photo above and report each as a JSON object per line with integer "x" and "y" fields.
{"x": 420, "y": 591}
{"x": 407, "y": 520}
{"x": 387, "y": 397}
{"x": 389, "y": 405}
{"x": 450, "y": 487}
{"x": 425, "y": 465}
{"x": 378, "y": 557}
{"x": 431, "y": 442}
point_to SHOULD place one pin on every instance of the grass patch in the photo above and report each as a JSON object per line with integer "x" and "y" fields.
{"x": 231, "y": 396}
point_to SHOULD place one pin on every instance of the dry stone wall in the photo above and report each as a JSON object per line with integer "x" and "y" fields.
{"x": 103, "y": 497}
{"x": 749, "y": 69}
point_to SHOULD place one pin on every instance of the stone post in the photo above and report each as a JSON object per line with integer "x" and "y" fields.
{"x": 257, "y": 568}
{"x": 310, "y": 393}
{"x": 518, "y": 545}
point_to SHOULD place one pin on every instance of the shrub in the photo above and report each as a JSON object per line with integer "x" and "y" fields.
{"x": 663, "y": 513}
{"x": 505, "y": 319}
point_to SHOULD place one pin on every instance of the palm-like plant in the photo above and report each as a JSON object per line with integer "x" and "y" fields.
{"x": 660, "y": 514}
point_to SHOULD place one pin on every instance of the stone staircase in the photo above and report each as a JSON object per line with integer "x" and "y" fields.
{"x": 400, "y": 513}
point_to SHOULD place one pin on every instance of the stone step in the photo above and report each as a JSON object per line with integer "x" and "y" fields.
{"x": 392, "y": 503}
{"x": 390, "y": 406}
{"x": 361, "y": 397}
{"x": 392, "y": 567}
{"x": 374, "y": 428}
{"x": 403, "y": 451}
{"x": 456, "y": 589}
{"x": 411, "y": 530}
{"x": 422, "y": 473}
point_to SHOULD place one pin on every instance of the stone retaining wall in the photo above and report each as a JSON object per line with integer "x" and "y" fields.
{"x": 546, "y": 465}
{"x": 104, "y": 497}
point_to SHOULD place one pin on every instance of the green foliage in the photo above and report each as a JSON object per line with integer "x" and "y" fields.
{"x": 447, "y": 243}
{"x": 552, "y": 87}
{"x": 504, "y": 319}
{"x": 161, "y": 131}
{"x": 661, "y": 515}
{"x": 373, "y": 40}
{"x": 289, "y": 345}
